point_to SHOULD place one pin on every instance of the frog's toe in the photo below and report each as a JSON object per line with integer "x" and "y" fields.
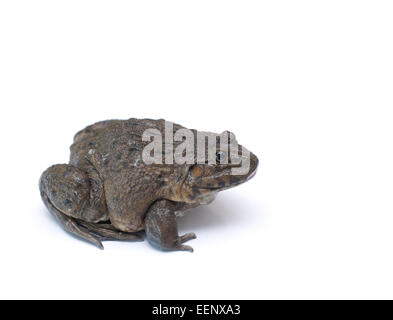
{"x": 186, "y": 237}
{"x": 185, "y": 248}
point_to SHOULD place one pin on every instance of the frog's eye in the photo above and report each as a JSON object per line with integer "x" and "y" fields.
{"x": 221, "y": 156}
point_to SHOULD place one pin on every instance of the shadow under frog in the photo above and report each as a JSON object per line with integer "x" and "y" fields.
{"x": 107, "y": 192}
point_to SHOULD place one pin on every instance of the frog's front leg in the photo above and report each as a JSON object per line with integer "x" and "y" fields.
{"x": 161, "y": 227}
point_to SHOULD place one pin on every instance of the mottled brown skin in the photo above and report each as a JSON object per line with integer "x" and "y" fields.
{"x": 107, "y": 192}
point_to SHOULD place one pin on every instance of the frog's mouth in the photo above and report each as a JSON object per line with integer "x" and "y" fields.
{"x": 234, "y": 181}
{"x": 222, "y": 178}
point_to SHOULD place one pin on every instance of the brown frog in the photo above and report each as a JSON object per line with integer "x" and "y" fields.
{"x": 109, "y": 191}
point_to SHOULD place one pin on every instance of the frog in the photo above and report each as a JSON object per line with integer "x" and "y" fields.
{"x": 109, "y": 191}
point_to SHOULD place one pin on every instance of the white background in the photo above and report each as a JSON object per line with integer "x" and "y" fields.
{"x": 306, "y": 85}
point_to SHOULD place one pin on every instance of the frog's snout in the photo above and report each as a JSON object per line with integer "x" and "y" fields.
{"x": 254, "y": 162}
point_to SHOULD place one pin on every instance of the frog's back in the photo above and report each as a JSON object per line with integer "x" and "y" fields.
{"x": 134, "y": 127}
{"x": 112, "y": 137}
{"x": 93, "y": 130}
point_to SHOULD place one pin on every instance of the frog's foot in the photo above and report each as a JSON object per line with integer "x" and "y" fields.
{"x": 106, "y": 232}
{"x": 71, "y": 225}
{"x": 184, "y": 238}
{"x": 161, "y": 228}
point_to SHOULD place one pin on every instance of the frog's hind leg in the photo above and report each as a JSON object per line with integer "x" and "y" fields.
{"x": 71, "y": 225}
{"x": 71, "y": 195}
{"x": 107, "y": 232}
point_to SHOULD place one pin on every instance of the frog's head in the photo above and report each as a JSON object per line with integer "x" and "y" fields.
{"x": 232, "y": 165}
